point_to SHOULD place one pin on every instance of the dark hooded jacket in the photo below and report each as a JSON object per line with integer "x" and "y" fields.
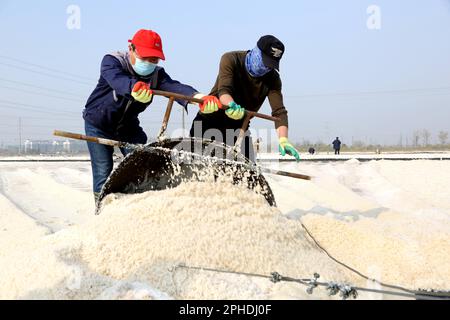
{"x": 111, "y": 107}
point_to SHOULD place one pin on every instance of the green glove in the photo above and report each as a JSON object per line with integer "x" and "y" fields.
{"x": 235, "y": 111}
{"x": 287, "y": 148}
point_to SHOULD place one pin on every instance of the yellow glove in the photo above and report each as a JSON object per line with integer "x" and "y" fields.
{"x": 142, "y": 92}
{"x": 210, "y": 104}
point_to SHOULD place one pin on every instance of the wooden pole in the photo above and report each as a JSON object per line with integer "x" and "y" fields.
{"x": 177, "y": 96}
{"x": 121, "y": 144}
{"x": 103, "y": 141}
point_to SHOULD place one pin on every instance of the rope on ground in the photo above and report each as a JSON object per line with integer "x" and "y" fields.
{"x": 345, "y": 291}
{"x": 409, "y": 291}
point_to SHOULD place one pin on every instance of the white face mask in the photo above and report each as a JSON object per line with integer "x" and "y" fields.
{"x": 143, "y": 68}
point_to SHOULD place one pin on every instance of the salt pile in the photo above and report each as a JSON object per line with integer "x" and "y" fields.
{"x": 138, "y": 238}
{"x": 389, "y": 220}
{"x": 412, "y": 259}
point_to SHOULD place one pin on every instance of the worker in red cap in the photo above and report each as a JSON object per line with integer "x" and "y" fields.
{"x": 124, "y": 90}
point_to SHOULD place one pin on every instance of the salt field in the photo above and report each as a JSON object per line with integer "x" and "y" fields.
{"x": 390, "y": 220}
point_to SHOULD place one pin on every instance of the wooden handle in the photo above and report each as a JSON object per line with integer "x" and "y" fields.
{"x": 77, "y": 136}
{"x": 120, "y": 144}
{"x": 287, "y": 174}
{"x": 192, "y": 99}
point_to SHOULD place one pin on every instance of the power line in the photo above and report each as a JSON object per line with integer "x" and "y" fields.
{"x": 15, "y": 107}
{"x": 45, "y": 74}
{"x": 41, "y": 88}
{"x": 35, "y": 106}
{"x": 25, "y": 126}
{"x": 46, "y": 68}
{"x": 367, "y": 92}
{"x": 40, "y": 94}
{"x": 54, "y": 118}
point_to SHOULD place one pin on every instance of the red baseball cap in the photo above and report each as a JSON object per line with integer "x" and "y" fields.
{"x": 148, "y": 44}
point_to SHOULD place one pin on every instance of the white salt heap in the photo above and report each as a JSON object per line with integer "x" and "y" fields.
{"x": 390, "y": 220}
{"x": 138, "y": 238}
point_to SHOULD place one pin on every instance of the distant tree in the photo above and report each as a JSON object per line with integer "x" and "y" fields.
{"x": 426, "y": 137}
{"x": 306, "y": 142}
{"x": 358, "y": 144}
{"x": 443, "y": 137}
{"x": 416, "y": 138}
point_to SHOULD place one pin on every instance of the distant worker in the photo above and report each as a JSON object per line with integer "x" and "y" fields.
{"x": 246, "y": 79}
{"x": 258, "y": 145}
{"x": 124, "y": 90}
{"x": 312, "y": 151}
{"x": 337, "y": 146}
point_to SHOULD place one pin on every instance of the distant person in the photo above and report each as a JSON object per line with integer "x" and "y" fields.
{"x": 312, "y": 151}
{"x": 337, "y": 146}
{"x": 258, "y": 145}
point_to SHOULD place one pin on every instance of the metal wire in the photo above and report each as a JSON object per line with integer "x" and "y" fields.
{"x": 346, "y": 291}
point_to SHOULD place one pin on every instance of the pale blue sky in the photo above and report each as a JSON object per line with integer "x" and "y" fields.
{"x": 339, "y": 77}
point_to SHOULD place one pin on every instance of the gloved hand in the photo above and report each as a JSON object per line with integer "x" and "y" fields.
{"x": 287, "y": 148}
{"x": 142, "y": 92}
{"x": 210, "y": 104}
{"x": 235, "y": 111}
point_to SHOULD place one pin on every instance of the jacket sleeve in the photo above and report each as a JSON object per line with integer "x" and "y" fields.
{"x": 166, "y": 83}
{"x": 225, "y": 78}
{"x": 277, "y": 104}
{"x": 118, "y": 79}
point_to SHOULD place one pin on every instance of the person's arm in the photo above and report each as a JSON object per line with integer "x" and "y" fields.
{"x": 278, "y": 109}
{"x": 166, "y": 83}
{"x": 117, "y": 78}
{"x": 283, "y": 132}
{"x": 226, "y": 87}
{"x": 226, "y": 99}
{"x": 225, "y": 79}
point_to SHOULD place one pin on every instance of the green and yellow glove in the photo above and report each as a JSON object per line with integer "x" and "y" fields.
{"x": 142, "y": 92}
{"x": 235, "y": 111}
{"x": 287, "y": 148}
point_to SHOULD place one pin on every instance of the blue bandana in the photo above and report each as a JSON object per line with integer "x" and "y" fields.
{"x": 255, "y": 65}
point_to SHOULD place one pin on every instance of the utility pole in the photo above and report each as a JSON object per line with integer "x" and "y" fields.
{"x": 183, "y": 120}
{"x": 20, "y": 135}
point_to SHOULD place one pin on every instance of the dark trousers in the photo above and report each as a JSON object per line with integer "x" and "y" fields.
{"x": 337, "y": 151}
{"x": 222, "y": 132}
{"x": 102, "y": 162}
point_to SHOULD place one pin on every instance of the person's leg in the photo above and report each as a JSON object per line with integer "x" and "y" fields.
{"x": 197, "y": 128}
{"x": 101, "y": 159}
{"x": 247, "y": 147}
{"x": 138, "y": 137}
{"x": 206, "y": 129}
